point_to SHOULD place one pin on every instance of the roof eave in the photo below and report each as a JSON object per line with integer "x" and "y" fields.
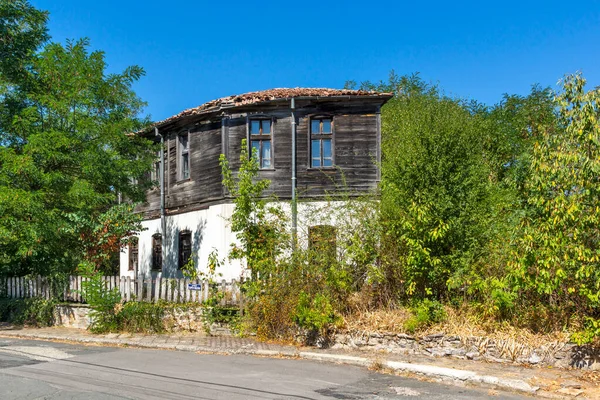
{"x": 222, "y": 107}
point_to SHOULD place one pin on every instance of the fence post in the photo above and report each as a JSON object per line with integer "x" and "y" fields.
{"x": 223, "y": 289}
{"x": 180, "y": 291}
{"x": 127, "y": 292}
{"x": 156, "y": 285}
{"x": 174, "y": 290}
{"x": 188, "y": 292}
{"x": 234, "y": 293}
{"x": 163, "y": 288}
{"x": 168, "y": 292}
{"x": 149, "y": 290}
{"x": 139, "y": 288}
{"x": 205, "y": 289}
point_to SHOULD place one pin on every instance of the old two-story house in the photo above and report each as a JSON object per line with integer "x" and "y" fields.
{"x": 306, "y": 140}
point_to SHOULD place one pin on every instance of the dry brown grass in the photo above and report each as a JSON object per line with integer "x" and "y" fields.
{"x": 384, "y": 320}
{"x": 464, "y": 323}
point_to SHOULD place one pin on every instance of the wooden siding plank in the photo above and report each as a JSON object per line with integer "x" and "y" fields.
{"x": 356, "y": 148}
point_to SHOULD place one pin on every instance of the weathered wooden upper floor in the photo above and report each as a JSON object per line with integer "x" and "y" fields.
{"x": 338, "y": 134}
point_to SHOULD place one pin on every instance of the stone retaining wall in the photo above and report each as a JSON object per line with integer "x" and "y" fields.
{"x": 557, "y": 354}
{"x": 177, "y": 320}
{"x": 72, "y": 316}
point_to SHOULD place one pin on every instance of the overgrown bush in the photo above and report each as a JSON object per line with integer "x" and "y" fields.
{"x": 425, "y": 313}
{"x": 589, "y": 334}
{"x": 105, "y": 303}
{"x": 34, "y": 311}
{"x": 555, "y": 259}
{"x": 140, "y": 317}
{"x": 490, "y": 208}
{"x": 315, "y": 313}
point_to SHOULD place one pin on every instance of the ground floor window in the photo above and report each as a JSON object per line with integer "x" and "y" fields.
{"x": 157, "y": 251}
{"x": 185, "y": 247}
{"x": 133, "y": 254}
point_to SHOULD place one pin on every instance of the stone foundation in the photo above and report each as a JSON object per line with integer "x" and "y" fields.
{"x": 191, "y": 320}
{"x": 72, "y": 316}
{"x": 176, "y": 320}
{"x": 556, "y": 354}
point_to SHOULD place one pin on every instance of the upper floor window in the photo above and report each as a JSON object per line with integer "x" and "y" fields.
{"x": 133, "y": 254}
{"x": 321, "y": 142}
{"x": 155, "y": 173}
{"x": 260, "y": 139}
{"x": 185, "y": 247}
{"x": 184, "y": 156}
{"x": 157, "y": 251}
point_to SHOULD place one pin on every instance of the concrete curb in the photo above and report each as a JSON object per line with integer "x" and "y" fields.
{"x": 431, "y": 371}
{"x": 463, "y": 375}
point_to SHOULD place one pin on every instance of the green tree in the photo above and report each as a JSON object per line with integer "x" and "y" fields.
{"x": 22, "y": 30}
{"x": 557, "y": 254}
{"x": 453, "y": 176}
{"x": 259, "y": 226}
{"x": 437, "y": 198}
{"x": 65, "y": 151}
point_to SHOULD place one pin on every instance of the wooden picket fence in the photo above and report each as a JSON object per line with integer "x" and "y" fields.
{"x": 177, "y": 290}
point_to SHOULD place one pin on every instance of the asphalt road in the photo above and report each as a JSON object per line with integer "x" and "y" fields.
{"x": 46, "y": 370}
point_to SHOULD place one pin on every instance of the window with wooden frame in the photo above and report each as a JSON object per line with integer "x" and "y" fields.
{"x": 261, "y": 144}
{"x": 155, "y": 172}
{"x": 133, "y": 254}
{"x": 157, "y": 252}
{"x": 183, "y": 166}
{"x": 321, "y": 142}
{"x": 185, "y": 247}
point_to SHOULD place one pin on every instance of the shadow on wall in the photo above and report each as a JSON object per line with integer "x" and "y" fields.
{"x": 145, "y": 262}
{"x": 197, "y": 238}
{"x": 171, "y": 258}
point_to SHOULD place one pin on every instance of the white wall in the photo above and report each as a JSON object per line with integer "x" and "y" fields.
{"x": 210, "y": 230}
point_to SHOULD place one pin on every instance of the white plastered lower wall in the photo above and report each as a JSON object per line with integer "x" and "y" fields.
{"x": 210, "y": 230}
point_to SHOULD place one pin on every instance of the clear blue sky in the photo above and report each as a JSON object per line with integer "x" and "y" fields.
{"x": 195, "y": 51}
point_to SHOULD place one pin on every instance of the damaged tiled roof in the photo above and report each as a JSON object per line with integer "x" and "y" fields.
{"x": 267, "y": 95}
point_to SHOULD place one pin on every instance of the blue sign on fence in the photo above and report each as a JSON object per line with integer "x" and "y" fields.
{"x": 194, "y": 286}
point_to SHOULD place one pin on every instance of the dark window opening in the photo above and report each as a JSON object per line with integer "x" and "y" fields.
{"x": 185, "y": 247}
{"x": 260, "y": 142}
{"x": 133, "y": 254}
{"x": 184, "y": 156}
{"x": 157, "y": 252}
{"x": 155, "y": 172}
{"x": 321, "y": 138}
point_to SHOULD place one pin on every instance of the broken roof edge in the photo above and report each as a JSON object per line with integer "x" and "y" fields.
{"x": 265, "y": 96}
